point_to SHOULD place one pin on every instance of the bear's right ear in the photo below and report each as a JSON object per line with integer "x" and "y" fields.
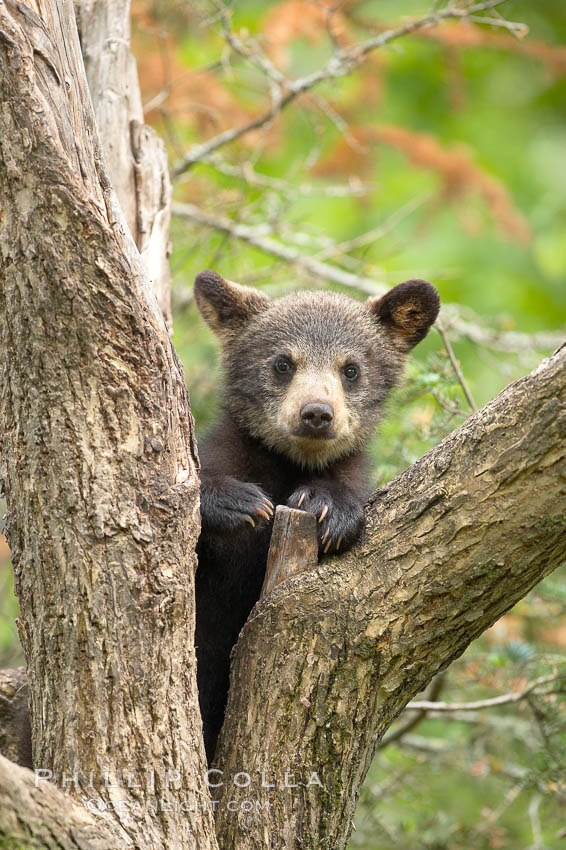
{"x": 226, "y": 306}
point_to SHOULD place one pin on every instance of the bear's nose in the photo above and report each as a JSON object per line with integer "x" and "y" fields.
{"x": 317, "y": 416}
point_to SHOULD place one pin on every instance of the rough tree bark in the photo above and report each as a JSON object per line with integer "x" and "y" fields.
{"x": 33, "y": 817}
{"x": 99, "y": 467}
{"x": 134, "y": 155}
{"x": 98, "y": 459}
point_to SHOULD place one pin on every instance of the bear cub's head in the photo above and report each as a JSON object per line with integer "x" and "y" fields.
{"x": 308, "y": 374}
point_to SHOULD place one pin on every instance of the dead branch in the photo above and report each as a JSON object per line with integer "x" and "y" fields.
{"x": 535, "y": 687}
{"x": 339, "y": 65}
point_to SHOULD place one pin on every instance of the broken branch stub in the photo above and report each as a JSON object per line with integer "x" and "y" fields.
{"x": 293, "y": 548}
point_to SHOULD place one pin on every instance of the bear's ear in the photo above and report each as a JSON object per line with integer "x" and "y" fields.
{"x": 407, "y": 311}
{"x": 226, "y": 306}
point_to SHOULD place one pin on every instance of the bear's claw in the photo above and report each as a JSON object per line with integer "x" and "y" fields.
{"x": 268, "y": 506}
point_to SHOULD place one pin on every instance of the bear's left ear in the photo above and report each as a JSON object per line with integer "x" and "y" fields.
{"x": 407, "y": 311}
{"x": 226, "y": 306}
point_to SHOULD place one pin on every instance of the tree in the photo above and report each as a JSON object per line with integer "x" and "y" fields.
{"x": 100, "y": 470}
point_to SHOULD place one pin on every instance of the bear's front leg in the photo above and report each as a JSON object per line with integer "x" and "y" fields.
{"x": 338, "y": 509}
{"x": 229, "y": 506}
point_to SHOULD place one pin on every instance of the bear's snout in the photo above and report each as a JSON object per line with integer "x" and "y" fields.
{"x": 317, "y": 417}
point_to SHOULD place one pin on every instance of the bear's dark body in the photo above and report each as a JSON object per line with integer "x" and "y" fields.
{"x": 231, "y": 569}
{"x": 305, "y": 381}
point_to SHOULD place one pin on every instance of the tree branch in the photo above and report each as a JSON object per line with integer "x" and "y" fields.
{"x": 456, "y": 366}
{"x": 413, "y": 720}
{"x": 353, "y": 188}
{"x": 533, "y": 687}
{"x": 333, "y": 655}
{"x": 341, "y": 63}
{"x": 37, "y": 815}
{"x": 462, "y": 323}
{"x": 315, "y": 268}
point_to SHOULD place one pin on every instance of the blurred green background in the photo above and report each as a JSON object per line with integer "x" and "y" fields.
{"x": 447, "y": 147}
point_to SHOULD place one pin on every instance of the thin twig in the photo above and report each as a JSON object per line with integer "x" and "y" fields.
{"x": 466, "y": 324}
{"x": 376, "y": 233}
{"x": 245, "y": 172}
{"x": 276, "y": 79}
{"x": 516, "y": 28}
{"x": 461, "y": 321}
{"x": 450, "y": 409}
{"x": 444, "y": 750}
{"x": 339, "y": 65}
{"x": 504, "y": 699}
{"x": 534, "y": 805}
{"x": 315, "y": 268}
{"x": 456, "y": 366}
{"x": 161, "y": 96}
{"x": 437, "y": 685}
{"x": 340, "y": 123}
{"x": 494, "y": 814}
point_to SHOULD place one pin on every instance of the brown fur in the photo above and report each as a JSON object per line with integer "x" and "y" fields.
{"x": 305, "y": 381}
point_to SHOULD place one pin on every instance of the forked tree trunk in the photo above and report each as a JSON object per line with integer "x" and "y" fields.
{"x": 99, "y": 467}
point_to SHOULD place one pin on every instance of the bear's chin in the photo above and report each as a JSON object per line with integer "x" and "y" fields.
{"x": 315, "y": 452}
{"x": 304, "y": 434}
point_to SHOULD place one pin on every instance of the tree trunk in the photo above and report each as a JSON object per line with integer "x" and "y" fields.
{"x": 327, "y": 662}
{"x": 134, "y": 155}
{"x": 98, "y": 458}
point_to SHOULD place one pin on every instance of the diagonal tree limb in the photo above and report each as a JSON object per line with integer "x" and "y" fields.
{"x": 327, "y": 662}
{"x": 35, "y": 814}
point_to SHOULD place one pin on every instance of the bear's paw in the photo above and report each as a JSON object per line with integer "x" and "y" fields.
{"x": 230, "y": 506}
{"x": 339, "y": 513}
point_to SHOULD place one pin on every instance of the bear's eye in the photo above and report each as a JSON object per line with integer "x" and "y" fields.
{"x": 283, "y": 365}
{"x": 352, "y": 372}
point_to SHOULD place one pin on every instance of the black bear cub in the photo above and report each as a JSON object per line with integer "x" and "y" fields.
{"x": 305, "y": 380}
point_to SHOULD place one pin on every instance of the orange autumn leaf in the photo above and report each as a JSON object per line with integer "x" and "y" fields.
{"x": 468, "y": 35}
{"x": 460, "y": 175}
{"x": 311, "y": 21}
{"x": 197, "y": 98}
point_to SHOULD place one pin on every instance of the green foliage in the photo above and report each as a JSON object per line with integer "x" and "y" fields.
{"x": 10, "y": 651}
{"x": 479, "y": 778}
{"x": 11, "y": 654}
